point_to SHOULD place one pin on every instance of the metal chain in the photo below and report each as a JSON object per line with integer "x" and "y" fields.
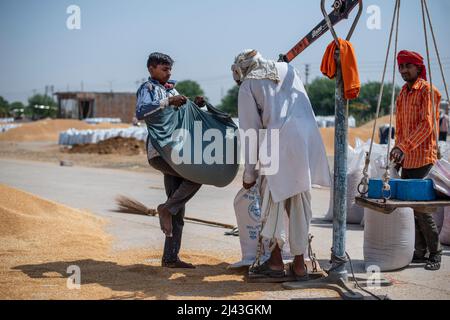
{"x": 386, "y": 176}
{"x": 363, "y": 187}
{"x": 433, "y": 109}
{"x": 435, "y": 126}
{"x": 437, "y": 51}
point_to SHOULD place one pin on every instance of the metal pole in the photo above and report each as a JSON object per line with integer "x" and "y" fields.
{"x": 337, "y": 275}
{"x": 338, "y": 258}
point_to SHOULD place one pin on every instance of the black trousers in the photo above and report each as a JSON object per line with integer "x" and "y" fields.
{"x": 443, "y": 136}
{"x": 427, "y": 233}
{"x": 179, "y": 191}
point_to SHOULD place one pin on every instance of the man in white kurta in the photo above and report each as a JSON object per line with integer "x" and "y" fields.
{"x": 272, "y": 96}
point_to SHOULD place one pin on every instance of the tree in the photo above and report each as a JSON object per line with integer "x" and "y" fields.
{"x": 4, "y": 108}
{"x": 321, "y": 92}
{"x": 190, "y": 89}
{"x": 369, "y": 98}
{"x": 17, "y": 109}
{"x": 41, "y": 106}
{"x": 229, "y": 103}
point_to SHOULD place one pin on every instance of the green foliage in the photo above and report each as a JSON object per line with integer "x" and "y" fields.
{"x": 321, "y": 92}
{"x": 229, "y": 103}
{"x": 36, "y": 112}
{"x": 190, "y": 89}
{"x": 17, "y": 109}
{"x": 369, "y": 97}
{"x": 4, "y": 108}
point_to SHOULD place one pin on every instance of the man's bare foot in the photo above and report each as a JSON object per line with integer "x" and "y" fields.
{"x": 299, "y": 270}
{"x": 276, "y": 266}
{"x": 299, "y": 267}
{"x": 275, "y": 261}
{"x": 165, "y": 220}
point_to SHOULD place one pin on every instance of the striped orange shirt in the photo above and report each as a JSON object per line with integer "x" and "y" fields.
{"x": 414, "y": 124}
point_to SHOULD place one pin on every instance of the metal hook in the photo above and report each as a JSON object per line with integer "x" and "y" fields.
{"x": 337, "y": 5}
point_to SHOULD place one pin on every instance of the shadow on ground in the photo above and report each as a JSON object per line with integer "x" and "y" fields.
{"x": 148, "y": 281}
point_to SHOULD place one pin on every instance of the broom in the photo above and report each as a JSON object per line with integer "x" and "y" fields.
{"x": 132, "y": 206}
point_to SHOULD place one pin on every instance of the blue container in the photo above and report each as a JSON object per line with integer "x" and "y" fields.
{"x": 416, "y": 190}
{"x": 376, "y": 189}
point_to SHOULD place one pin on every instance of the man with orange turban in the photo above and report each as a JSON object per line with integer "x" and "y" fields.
{"x": 416, "y": 146}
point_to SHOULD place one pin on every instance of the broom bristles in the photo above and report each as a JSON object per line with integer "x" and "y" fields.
{"x": 132, "y": 206}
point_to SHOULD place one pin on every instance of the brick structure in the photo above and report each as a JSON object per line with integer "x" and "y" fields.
{"x": 82, "y": 105}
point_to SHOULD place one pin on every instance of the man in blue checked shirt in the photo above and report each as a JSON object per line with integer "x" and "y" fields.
{"x": 153, "y": 96}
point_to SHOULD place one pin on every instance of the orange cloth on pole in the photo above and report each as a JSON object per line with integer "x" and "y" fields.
{"x": 350, "y": 75}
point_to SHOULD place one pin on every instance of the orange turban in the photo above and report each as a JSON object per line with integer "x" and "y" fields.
{"x": 412, "y": 58}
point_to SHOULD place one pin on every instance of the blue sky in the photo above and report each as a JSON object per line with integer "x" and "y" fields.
{"x": 116, "y": 36}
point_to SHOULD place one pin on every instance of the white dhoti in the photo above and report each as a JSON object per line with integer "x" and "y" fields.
{"x": 298, "y": 209}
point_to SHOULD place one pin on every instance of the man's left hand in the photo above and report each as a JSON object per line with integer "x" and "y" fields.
{"x": 200, "y": 101}
{"x": 248, "y": 186}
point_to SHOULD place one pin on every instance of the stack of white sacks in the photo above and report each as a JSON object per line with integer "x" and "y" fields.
{"x": 6, "y": 127}
{"x": 328, "y": 121}
{"x": 73, "y": 136}
{"x": 356, "y": 161}
{"x": 6, "y": 120}
{"x": 102, "y": 120}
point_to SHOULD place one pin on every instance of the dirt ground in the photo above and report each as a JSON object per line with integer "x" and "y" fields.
{"x": 40, "y": 239}
{"x": 118, "y": 146}
{"x": 51, "y": 152}
{"x": 38, "y": 141}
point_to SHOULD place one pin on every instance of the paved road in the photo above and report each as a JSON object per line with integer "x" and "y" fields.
{"x": 95, "y": 189}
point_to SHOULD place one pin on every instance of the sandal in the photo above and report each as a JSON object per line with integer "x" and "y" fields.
{"x": 302, "y": 278}
{"x": 265, "y": 270}
{"x": 433, "y": 264}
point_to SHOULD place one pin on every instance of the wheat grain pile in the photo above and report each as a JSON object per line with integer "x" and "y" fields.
{"x": 363, "y": 133}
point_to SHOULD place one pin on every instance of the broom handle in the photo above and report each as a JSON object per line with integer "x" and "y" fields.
{"x": 219, "y": 224}
{"x": 228, "y": 226}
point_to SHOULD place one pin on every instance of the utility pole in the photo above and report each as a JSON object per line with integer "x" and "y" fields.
{"x": 307, "y": 73}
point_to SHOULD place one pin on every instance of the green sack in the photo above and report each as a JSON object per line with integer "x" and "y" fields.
{"x": 179, "y": 136}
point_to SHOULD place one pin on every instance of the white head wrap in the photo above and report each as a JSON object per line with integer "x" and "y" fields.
{"x": 250, "y": 65}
